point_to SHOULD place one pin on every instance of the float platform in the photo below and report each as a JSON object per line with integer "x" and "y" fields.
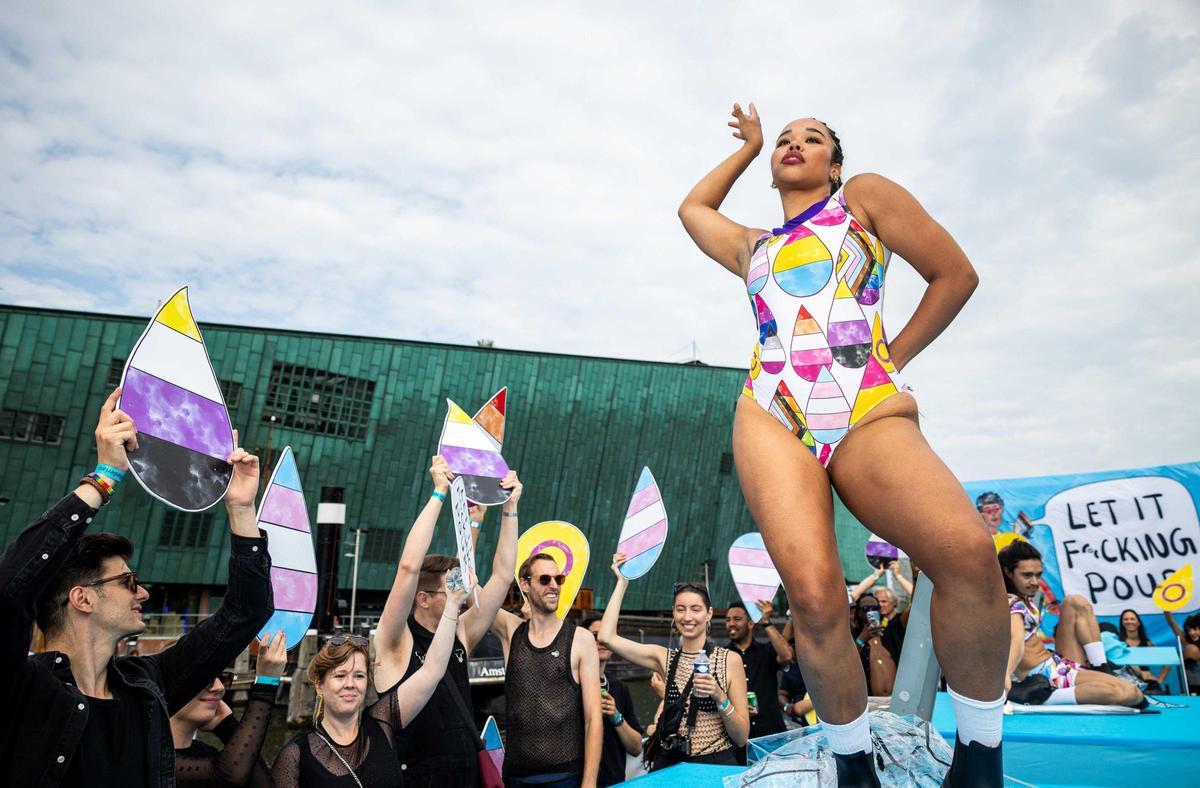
{"x": 1051, "y": 750}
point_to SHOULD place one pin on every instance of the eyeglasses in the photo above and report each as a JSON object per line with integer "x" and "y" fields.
{"x": 545, "y": 579}
{"x": 340, "y": 640}
{"x": 127, "y": 579}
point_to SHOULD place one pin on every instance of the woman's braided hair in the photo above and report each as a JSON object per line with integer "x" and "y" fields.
{"x": 837, "y": 158}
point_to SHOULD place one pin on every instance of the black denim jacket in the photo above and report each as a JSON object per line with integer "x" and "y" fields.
{"x": 43, "y": 714}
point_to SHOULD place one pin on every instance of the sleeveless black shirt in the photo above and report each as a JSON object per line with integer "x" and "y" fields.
{"x": 439, "y": 739}
{"x": 544, "y": 706}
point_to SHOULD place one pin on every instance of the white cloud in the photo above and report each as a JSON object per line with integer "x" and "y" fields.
{"x": 452, "y": 172}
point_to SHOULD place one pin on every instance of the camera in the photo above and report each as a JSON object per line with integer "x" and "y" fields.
{"x": 677, "y": 743}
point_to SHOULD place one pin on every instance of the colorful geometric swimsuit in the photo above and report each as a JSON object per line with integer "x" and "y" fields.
{"x": 1062, "y": 673}
{"x": 822, "y": 360}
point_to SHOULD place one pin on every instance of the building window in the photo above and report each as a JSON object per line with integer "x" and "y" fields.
{"x": 232, "y": 392}
{"x": 24, "y": 426}
{"x": 379, "y": 545}
{"x": 184, "y": 529}
{"x": 319, "y": 401}
{"x": 116, "y": 368}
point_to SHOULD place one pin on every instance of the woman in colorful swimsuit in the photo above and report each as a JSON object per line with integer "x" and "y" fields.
{"x": 1028, "y": 656}
{"x": 824, "y": 407}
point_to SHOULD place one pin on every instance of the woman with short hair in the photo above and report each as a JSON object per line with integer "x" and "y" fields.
{"x": 353, "y": 745}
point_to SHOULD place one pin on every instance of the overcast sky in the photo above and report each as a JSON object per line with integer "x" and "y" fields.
{"x": 448, "y": 172}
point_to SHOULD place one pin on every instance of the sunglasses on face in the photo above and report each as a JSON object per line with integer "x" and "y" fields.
{"x": 869, "y": 608}
{"x": 545, "y": 579}
{"x": 227, "y": 677}
{"x": 127, "y": 579}
{"x": 339, "y": 640}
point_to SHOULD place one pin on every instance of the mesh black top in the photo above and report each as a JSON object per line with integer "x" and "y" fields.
{"x": 544, "y": 707}
{"x": 314, "y": 760}
{"x": 238, "y": 764}
{"x": 709, "y": 735}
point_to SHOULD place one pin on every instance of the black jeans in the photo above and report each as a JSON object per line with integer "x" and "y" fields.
{"x": 556, "y": 780}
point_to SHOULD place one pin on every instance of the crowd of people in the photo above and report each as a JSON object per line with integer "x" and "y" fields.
{"x": 106, "y": 720}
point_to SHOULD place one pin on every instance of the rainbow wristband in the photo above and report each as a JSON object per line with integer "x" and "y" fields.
{"x": 101, "y": 483}
{"x": 116, "y": 474}
{"x": 441, "y": 496}
{"x": 101, "y": 488}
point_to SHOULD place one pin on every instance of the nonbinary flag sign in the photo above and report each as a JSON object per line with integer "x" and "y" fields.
{"x": 170, "y": 391}
{"x": 474, "y": 456}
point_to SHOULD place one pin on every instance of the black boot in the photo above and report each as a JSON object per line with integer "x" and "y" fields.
{"x": 855, "y": 771}
{"x": 975, "y": 766}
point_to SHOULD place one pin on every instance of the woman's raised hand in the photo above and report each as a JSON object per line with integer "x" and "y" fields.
{"x": 114, "y": 434}
{"x": 439, "y": 471}
{"x": 618, "y": 559}
{"x": 243, "y": 488}
{"x": 747, "y": 127}
{"x": 457, "y": 595}
{"x": 272, "y": 654}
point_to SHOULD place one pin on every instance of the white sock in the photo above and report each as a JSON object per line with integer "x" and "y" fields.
{"x": 849, "y": 738}
{"x": 978, "y": 720}
{"x": 1061, "y": 697}
{"x": 1095, "y": 653}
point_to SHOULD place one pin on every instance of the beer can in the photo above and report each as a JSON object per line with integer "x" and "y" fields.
{"x": 752, "y": 700}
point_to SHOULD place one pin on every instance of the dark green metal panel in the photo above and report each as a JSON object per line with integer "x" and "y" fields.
{"x": 579, "y": 431}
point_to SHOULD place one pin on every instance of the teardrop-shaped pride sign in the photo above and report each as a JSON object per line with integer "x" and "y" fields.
{"x": 753, "y": 573}
{"x": 170, "y": 391}
{"x": 569, "y": 548}
{"x": 645, "y": 529}
{"x": 283, "y": 515}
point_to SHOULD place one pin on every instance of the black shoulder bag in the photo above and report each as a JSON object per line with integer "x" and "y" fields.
{"x": 489, "y": 776}
{"x": 667, "y": 737}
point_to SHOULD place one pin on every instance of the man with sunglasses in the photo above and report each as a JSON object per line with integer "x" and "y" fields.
{"x": 551, "y": 688}
{"x": 75, "y": 714}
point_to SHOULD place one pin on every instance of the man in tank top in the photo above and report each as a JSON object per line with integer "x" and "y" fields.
{"x": 443, "y": 737}
{"x": 551, "y": 689}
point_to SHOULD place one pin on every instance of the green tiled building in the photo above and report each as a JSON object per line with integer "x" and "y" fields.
{"x": 365, "y": 414}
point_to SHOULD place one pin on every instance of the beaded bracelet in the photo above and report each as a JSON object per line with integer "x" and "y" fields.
{"x": 441, "y": 496}
{"x": 93, "y": 481}
{"x": 116, "y": 474}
